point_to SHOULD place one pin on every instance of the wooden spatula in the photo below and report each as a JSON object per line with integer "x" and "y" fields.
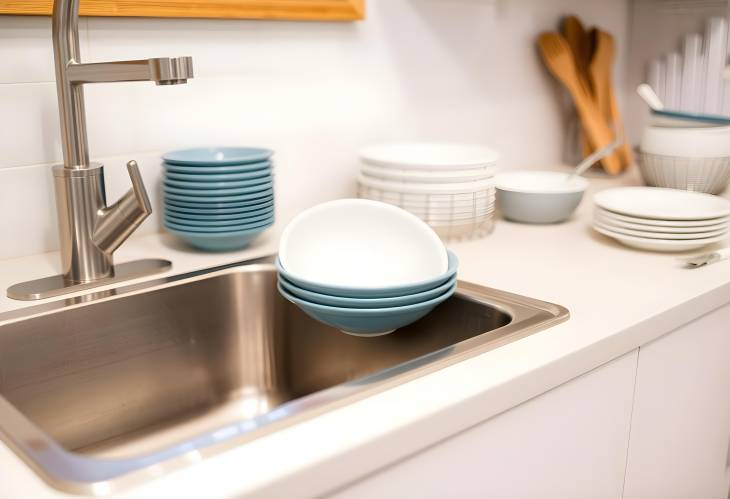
{"x": 559, "y": 59}
{"x": 600, "y": 70}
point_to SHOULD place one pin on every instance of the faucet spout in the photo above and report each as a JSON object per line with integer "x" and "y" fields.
{"x": 118, "y": 221}
{"x": 161, "y": 70}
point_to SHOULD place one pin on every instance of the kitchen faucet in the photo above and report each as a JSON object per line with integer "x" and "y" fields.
{"x": 90, "y": 231}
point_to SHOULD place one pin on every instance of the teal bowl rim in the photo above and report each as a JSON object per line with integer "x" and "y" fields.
{"x": 305, "y": 294}
{"x": 254, "y": 155}
{"x": 230, "y": 228}
{"x": 217, "y": 223}
{"x": 214, "y": 217}
{"x": 217, "y": 185}
{"x": 218, "y": 199}
{"x": 217, "y": 170}
{"x": 216, "y": 177}
{"x": 349, "y": 292}
{"x": 202, "y": 193}
{"x": 218, "y": 235}
{"x": 368, "y": 312}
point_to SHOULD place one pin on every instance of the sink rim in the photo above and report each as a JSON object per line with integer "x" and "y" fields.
{"x": 80, "y": 474}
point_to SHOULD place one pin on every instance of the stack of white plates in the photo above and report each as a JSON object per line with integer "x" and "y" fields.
{"x": 659, "y": 219}
{"x": 449, "y": 186}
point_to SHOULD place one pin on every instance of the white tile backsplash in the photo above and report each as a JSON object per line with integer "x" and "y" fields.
{"x": 461, "y": 70}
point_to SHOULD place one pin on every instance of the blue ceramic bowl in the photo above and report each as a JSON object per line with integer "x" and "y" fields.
{"x": 214, "y": 216}
{"x": 219, "y": 177}
{"x": 217, "y": 156}
{"x": 367, "y": 321}
{"x": 198, "y": 171}
{"x": 198, "y": 224}
{"x": 236, "y": 184}
{"x": 221, "y": 241}
{"x": 338, "y": 301}
{"x": 228, "y": 228}
{"x": 216, "y": 192}
{"x": 217, "y": 201}
{"x": 410, "y": 289}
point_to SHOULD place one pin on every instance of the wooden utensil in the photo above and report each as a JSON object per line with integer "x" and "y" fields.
{"x": 559, "y": 59}
{"x": 580, "y": 43}
{"x": 602, "y": 84}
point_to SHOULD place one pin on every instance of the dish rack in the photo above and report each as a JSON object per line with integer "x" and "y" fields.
{"x": 453, "y": 216}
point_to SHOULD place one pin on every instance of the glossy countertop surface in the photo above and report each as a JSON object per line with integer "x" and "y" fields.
{"x": 618, "y": 298}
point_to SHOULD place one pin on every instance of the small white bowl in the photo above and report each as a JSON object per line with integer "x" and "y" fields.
{"x": 538, "y": 197}
{"x": 359, "y": 243}
{"x": 713, "y": 142}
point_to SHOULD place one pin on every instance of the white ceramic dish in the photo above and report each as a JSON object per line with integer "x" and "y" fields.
{"x": 360, "y": 243}
{"x": 450, "y": 189}
{"x": 660, "y": 235}
{"x": 426, "y": 176}
{"x": 710, "y": 175}
{"x": 432, "y": 201}
{"x": 429, "y": 156}
{"x": 712, "y": 222}
{"x": 663, "y": 245}
{"x": 606, "y": 218}
{"x": 659, "y": 203}
{"x": 712, "y": 142}
{"x": 539, "y": 196}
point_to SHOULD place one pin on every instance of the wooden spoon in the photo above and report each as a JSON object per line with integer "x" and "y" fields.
{"x": 602, "y": 83}
{"x": 559, "y": 59}
{"x": 580, "y": 43}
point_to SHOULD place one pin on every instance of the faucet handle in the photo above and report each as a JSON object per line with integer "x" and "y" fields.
{"x": 138, "y": 188}
{"x": 118, "y": 221}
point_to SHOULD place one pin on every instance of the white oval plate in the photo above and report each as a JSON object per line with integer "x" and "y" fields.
{"x": 426, "y": 176}
{"x": 606, "y": 218}
{"x": 660, "y": 235}
{"x": 429, "y": 156}
{"x": 658, "y": 203}
{"x": 664, "y": 224}
{"x": 663, "y": 245}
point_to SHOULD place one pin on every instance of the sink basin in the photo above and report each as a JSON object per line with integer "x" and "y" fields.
{"x": 113, "y": 388}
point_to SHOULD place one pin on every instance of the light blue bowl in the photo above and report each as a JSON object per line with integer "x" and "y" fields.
{"x": 194, "y": 224}
{"x": 367, "y": 321}
{"x": 219, "y": 177}
{"x": 217, "y": 156}
{"x": 236, "y": 184}
{"x": 209, "y": 230}
{"x": 221, "y": 241}
{"x": 409, "y": 289}
{"x": 217, "y": 201}
{"x": 218, "y": 170}
{"x": 216, "y": 192}
{"x": 338, "y": 301}
{"x": 213, "y": 208}
{"x": 239, "y": 213}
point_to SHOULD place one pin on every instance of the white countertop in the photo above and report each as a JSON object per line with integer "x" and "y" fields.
{"x": 619, "y": 299}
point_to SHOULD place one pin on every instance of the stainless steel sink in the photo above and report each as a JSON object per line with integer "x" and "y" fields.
{"x": 113, "y": 388}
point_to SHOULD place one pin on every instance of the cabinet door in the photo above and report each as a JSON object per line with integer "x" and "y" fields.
{"x": 567, "y": 443}
{"x": 680, "y": 431}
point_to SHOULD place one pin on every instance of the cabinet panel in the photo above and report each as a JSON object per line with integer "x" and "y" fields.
{"x": 567, "y": 443}
{"x": 680, "y": 433}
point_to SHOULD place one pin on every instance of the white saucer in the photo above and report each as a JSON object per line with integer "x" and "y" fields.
{"x": 659, "y": 203}
{"x": 663, "y": 245}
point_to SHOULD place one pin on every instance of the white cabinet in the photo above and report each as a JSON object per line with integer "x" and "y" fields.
{"x": 567, "y": 443}
{"x": 680, "y": 432}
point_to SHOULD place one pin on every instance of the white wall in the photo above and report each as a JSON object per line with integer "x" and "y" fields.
{"x": 462, "y": 70}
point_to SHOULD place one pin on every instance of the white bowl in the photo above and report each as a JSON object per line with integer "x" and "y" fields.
{"x": 539, "y": 196}
{"x": 359, "y": 243}
{"x": 429, "y": 156}
{"x": 711, "y": 142}
{"x": 710, "y": 175}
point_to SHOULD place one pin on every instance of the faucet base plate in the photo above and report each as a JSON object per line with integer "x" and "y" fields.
{"x": 57, "y": 285}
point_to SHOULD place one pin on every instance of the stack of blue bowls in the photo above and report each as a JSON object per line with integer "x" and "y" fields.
{"x": 218, "y": 199}
{"x": 368, "y": 312}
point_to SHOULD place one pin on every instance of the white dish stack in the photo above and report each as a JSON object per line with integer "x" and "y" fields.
{"x": 658, "y": 219}
{"x": 449, "y": 186}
